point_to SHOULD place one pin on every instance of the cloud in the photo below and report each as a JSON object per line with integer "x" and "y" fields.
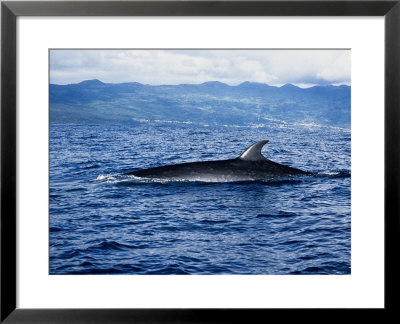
{"x": 156, "y": 67}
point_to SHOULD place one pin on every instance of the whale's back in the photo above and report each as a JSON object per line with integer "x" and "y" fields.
{"x": 221, "y": 171}
{"x": 250, "y": 165}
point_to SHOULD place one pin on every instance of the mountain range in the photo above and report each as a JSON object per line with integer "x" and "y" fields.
{"x": 213, "y": 102}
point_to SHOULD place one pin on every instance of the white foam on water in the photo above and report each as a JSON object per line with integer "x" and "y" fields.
{"x": 105, "y": 178}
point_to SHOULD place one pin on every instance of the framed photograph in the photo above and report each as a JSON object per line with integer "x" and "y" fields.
{"x": 190, "y": 161}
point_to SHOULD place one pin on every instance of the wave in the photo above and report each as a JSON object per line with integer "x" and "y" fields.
{"x": 335, "y": 174}
{"x": 110, "y": 246}
{"x": 116, "y": 178}
{"x": 279, "y": 214}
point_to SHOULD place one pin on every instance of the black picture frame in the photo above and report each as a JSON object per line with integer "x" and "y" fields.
{"x": 10, "y": 10}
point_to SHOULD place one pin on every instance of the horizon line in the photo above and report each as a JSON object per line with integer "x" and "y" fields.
{"x": 299, "y": 85}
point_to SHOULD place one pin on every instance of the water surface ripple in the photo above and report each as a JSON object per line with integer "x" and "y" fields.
{"x": 104, "y": 222}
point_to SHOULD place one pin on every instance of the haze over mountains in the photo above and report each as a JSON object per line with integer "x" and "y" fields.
{"x": 94, "y": 102}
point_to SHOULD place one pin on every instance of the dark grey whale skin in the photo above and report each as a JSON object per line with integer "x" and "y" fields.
{"x": 251, "y": 165}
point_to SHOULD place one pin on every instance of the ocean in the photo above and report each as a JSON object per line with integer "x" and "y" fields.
{"x": 105, "y": 222}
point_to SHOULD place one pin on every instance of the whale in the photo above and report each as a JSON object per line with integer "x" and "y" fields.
{"x": 249, "y": 166}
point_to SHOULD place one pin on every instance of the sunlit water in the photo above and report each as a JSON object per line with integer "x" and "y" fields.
{"x": 104, "y": 222}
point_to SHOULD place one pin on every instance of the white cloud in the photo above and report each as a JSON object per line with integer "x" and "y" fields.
{"x": 196, "y": 66}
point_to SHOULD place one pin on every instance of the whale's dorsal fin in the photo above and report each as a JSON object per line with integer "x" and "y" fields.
{"x": 253, "y": 153}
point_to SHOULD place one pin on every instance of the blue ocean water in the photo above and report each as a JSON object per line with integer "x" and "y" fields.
{"x": 105, "y": 222}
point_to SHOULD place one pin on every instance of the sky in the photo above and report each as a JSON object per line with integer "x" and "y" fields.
{"x": 303, "y": 68}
